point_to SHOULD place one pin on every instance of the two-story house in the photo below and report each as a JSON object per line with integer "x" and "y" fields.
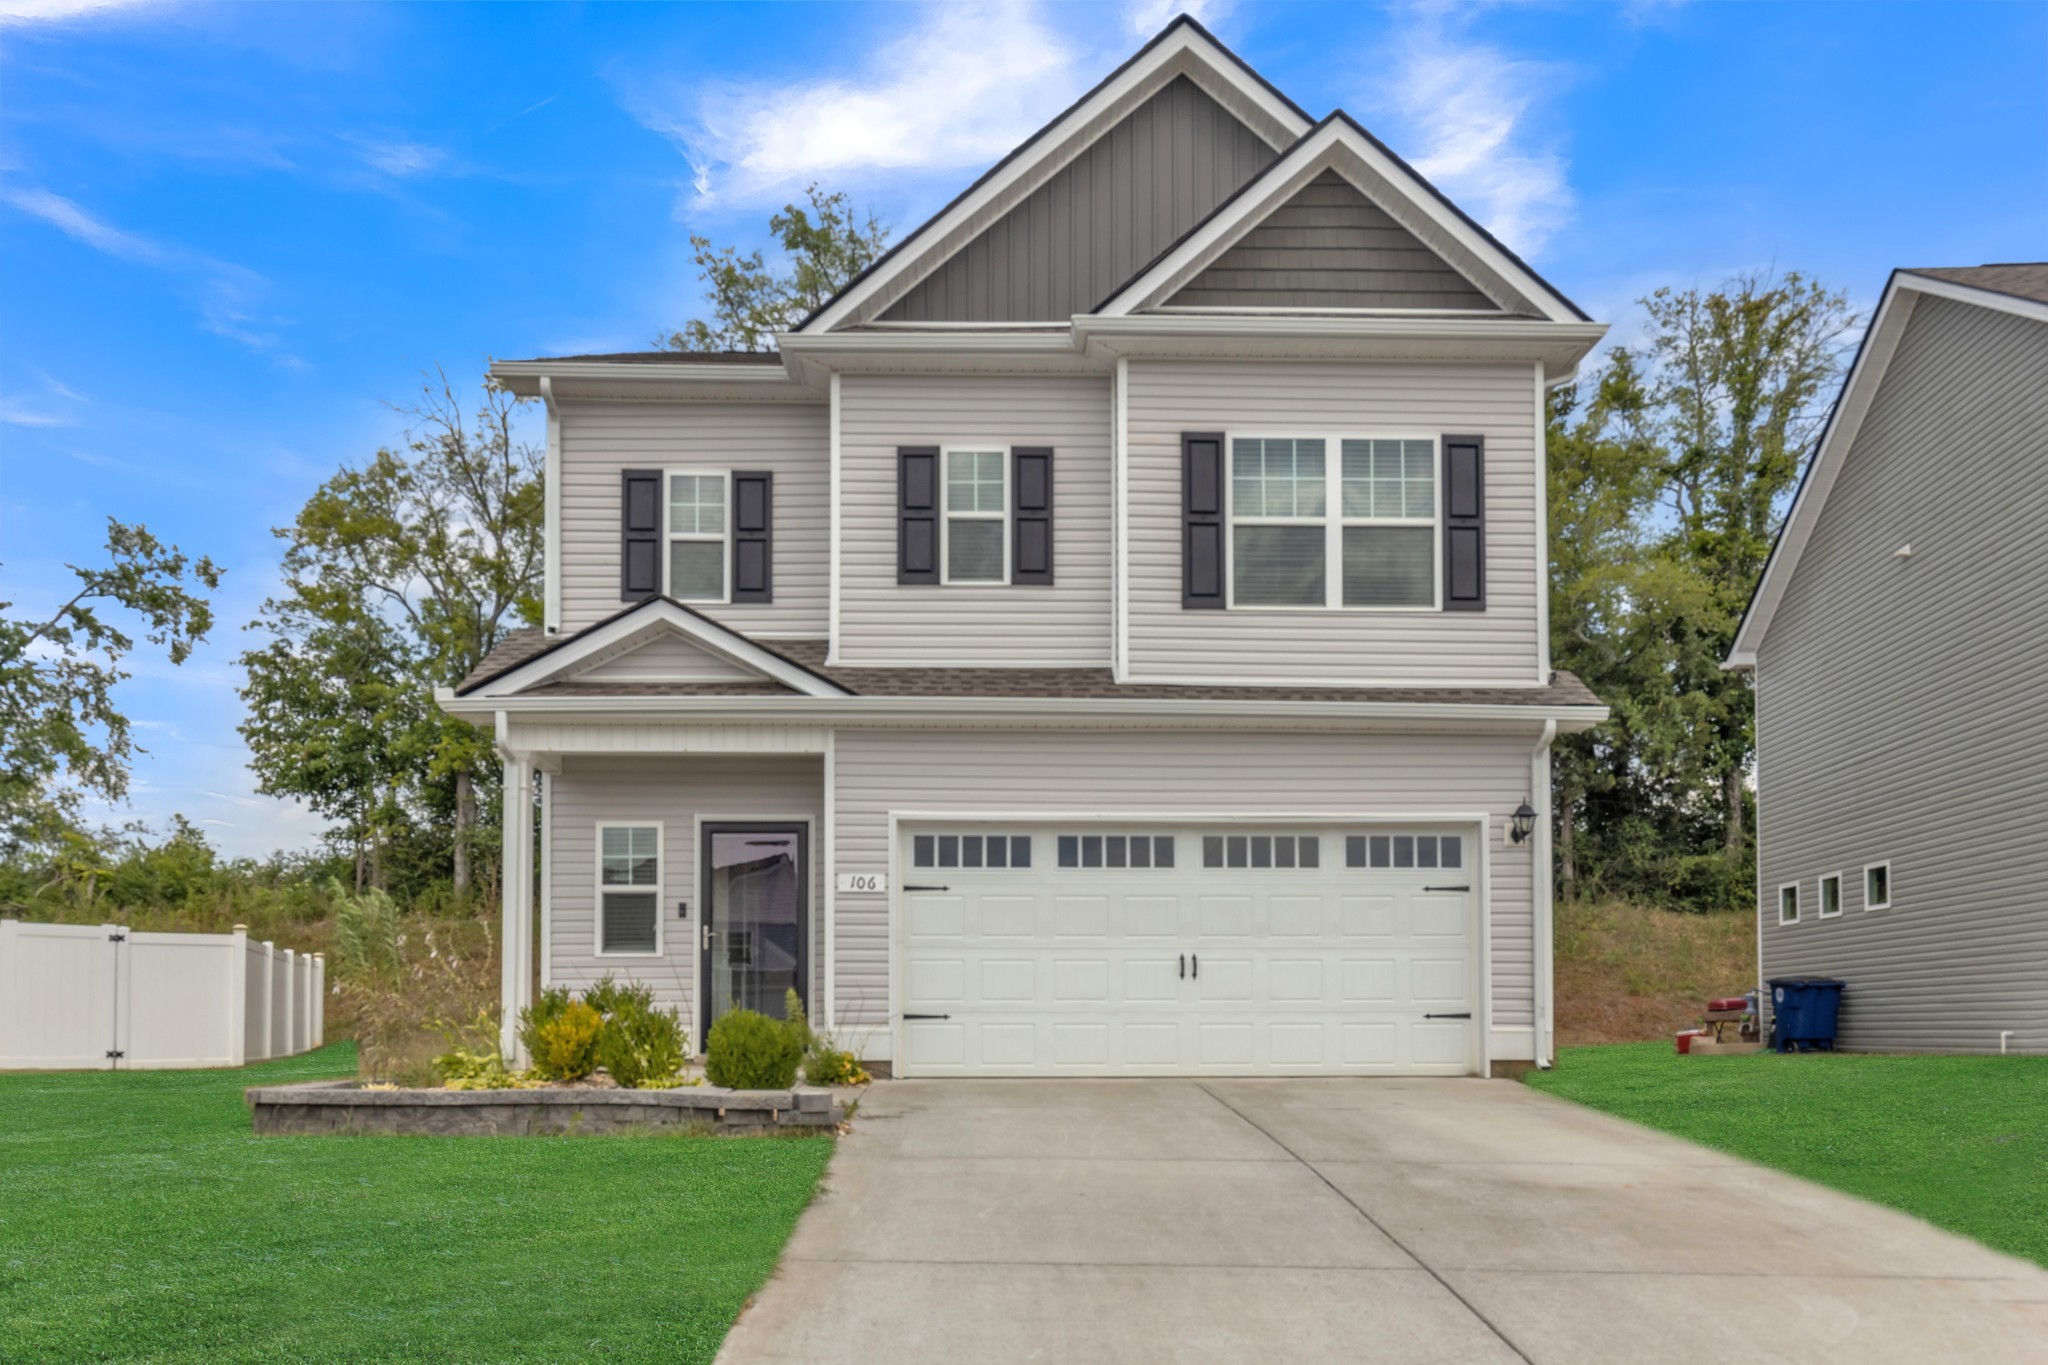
{"x": 1108, "y": 638}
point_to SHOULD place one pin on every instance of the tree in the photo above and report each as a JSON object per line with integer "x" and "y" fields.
{"x": 399, "y": 577}
{"x": 751, "y": 301}
{"x": 61, "y": 733}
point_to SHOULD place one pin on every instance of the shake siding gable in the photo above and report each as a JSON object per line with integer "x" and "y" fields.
{"x": 1098, "y": 220}
{"x": 1900, "y": 702}
{"x": 599, "y": 440}
{"x": 1495, "y": 647}
{"x": 882, "y": 621}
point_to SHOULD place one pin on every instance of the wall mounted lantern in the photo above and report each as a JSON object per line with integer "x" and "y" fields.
{"x": 1522, "y": 823}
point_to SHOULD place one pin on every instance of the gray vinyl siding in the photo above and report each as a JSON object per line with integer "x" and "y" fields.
{"x": 1331, "y": 247}
{"x": 667, "y": 659}
{"x": 884, "y": 622}
{"x": 1495, "y": 647}
{"x": 599, "y": 439}
{"x": 675, "y": 791}
{"x": 1902, "y": 705}
{"x": 1099, "y": 220}
{"x": 1211, "y": 772}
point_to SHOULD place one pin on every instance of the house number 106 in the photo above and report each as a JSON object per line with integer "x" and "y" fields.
{"x": 863, "y": 881}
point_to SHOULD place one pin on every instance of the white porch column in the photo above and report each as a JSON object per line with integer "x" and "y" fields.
{"x": 516, "y": 980}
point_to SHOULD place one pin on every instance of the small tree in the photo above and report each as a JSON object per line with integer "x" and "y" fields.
{"x": 826, "y": 246}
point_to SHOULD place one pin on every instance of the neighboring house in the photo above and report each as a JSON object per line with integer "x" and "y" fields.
{"x": 1110, "y": 636}
{"x": 1899, "y": 641}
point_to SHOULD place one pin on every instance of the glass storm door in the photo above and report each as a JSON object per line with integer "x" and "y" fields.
{"x": 755, "y": 918}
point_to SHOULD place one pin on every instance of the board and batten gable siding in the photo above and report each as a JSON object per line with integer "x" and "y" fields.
{"x": 599, "y": 440}
{"x": 1099, "y": 220}
{"x": 1331, "y": 247}
{"x": 1495, "y": 647}
{"x": 1902, "y": 704}
{"x": 882, "y": 621}
{"x": 1099, "y": 774}
{"x": 675, "y": 791}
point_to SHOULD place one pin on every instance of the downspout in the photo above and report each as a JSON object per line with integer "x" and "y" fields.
{"x": 551, "y": 515}
{"x": 1543, "y": 893}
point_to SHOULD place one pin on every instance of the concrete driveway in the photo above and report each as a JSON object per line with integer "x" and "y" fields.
{"x": 1347, "y": 1220}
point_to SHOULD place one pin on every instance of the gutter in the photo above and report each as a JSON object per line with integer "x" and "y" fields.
{"x": 1542, "y": 884}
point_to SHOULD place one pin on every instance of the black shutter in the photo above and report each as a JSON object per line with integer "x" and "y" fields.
{"x": 639, "y": 534}
{"x": 917, "y": 514}
{"x": 1464, "y": 523}
{"x": 1031, "y": 515}
{"x": 753, "y": 537}
{"x": 1201, "y": 511}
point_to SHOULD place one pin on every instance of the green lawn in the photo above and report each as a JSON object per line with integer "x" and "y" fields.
{"x": 140, "y": 1220}
{"x": 1959, "y": 1141}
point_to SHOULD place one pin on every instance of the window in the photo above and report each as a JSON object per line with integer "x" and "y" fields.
{"x": 1877, "y": 886}
{"x": 629, "y": 890}
{"x": 977, "y": 517}
{"x": 1831, "y": 895}
{"x": 697, "y": 531}
{"x": 1289, "y": 851}
{"x": 970, "y": 850}
{"x": 1356, "y": 531}
{"x": 1139, "y": 851}
{"x": 1788, "y": 904}
{"x": 1404, "y": 850}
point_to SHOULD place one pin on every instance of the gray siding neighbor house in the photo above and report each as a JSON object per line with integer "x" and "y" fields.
{"x": 1107, "y": 638}
{"x": 1899, "y": 644}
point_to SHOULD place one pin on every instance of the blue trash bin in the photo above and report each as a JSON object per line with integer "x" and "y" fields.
{"x": 1804, "y": 1010}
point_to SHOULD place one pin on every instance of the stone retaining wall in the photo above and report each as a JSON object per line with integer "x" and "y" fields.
{"x": 345, "y": 1107}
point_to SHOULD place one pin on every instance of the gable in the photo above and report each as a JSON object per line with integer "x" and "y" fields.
{"x": 665, "y": 658}
{"x": 1099, "y": 219}
{"x": 1331, "y": 247}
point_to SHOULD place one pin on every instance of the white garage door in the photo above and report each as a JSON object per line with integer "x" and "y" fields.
{"x": 1085, "y": 949}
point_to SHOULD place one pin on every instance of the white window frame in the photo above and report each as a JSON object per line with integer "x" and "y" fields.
{"x": 597, "y": 948}
{"x": 1889, "y": 890}
{"x": 947, "y": 514}
{"x": 669, "y": 536}
{"x": 1820, "y": 905}
{"x": 1333, "y": 521}
{"x": 1793, "y": 887}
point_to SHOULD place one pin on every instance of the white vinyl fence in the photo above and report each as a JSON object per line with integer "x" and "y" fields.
{"x": 102, "y": 996}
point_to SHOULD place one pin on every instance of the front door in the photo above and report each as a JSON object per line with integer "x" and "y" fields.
{"x": 756, "y": 918}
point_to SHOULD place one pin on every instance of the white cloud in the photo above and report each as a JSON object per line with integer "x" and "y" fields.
{"x": 15, "y": 414}
{"x": 402, "y": 159}
{"x": 1468, "y": 106}
{"x": 225, "y": 293}
{"x": 57, "y": 11}
{"x": 961, "y": 88}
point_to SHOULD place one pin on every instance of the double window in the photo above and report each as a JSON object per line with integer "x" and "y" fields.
{"x": 1334, "y": 521}
{"x": 629, "y": 890}
{"x": 977, "y": 521}
{"x": 699, "y": 536}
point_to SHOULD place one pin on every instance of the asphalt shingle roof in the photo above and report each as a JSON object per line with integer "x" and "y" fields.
{"x": 2021, "y": 279}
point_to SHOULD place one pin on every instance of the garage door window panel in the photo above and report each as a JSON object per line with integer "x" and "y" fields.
{"x": 970, "y": 851}
{"x": 1404, "y": 851}
{"x": 1262, "y": 851}
{"x": 1116, "y": 852}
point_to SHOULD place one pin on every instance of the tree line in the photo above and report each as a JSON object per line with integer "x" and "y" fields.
{"x": 1671, "y": 463}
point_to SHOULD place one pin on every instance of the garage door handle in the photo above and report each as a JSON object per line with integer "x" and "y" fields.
{"x": 927, "y": 1016}
{"x": 1466, "y": 1015}
{"x": 1196, "y": 959}
{"x": 927, "y": 888}
{"x": 1183, "y": 966}
{"x": 1446, "y": 888}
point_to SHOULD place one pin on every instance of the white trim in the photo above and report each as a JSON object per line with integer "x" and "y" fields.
{"x": 1541, "y": 452}
{"x": 1820, "y": 898}
{"x": 622, "y": 630}
{"x": 947, "y": 516}
{"x": 1315, "y": 153}
{"x": 832, "y": 582}
{"x": 1798, "y": 911}
{"x": 1289, "y": 310}
{"x": 1120, "y": 465}
{"x": 829, "y": 858}
{"x": 597, "y": 948}
{"x": 700, "y": 985}
{"x": 1332, "y": 521}
{"x": 1183, "y": 49}
{"x": 1481, "y": 823}
{"x": 551, "y": 513}
{"x": 1542, "y": 895}
{"x": 547, "y": 879}
{"x": 1838, "y": 438}
{"x": 1560, "y": 346}
{"x": 669, "y": 535}
{"x": 1889, "y": 890}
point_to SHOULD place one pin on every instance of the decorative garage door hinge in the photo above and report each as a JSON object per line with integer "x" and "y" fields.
{"x": 115, "y": 1054}
{"x": 117, "y": 938}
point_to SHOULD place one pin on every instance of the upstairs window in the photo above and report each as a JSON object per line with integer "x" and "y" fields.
{"x": 1359, "y": 530}
{"x": 977, "y": 517}
{"x": 698, "y": 532}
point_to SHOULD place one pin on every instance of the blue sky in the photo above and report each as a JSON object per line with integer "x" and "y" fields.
{"x": 230, "y": 234}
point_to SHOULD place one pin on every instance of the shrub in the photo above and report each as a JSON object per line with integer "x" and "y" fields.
{"x": 483, "y": 1069}
{"x": 749, "y": 1051}
{"x": 564, "y": 1046}
{"x": 834, "y": 1066}
{"x": 642, "y": 1047}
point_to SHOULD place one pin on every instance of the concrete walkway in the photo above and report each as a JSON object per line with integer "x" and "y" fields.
{"x": 1347, "y": 1220}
